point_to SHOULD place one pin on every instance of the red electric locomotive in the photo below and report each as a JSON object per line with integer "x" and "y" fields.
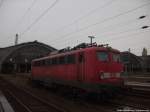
{"x": 87, "y": 67}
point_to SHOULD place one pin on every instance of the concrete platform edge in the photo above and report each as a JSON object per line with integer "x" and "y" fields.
{"x": 6, "y": 107}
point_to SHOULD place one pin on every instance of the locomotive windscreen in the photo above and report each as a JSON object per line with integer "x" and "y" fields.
{"x": 102, "y": 56}
{"x": 116, "y": 57}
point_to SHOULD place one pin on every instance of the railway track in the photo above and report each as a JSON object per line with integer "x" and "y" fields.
{"x": 138, "y": 93}
{"x": 133, "y": 98}
{"x": 132, "y": 104}
{"x": 22, "y": 104}
{"x": 26, "y": 100}
{"x": 23, "y": 101}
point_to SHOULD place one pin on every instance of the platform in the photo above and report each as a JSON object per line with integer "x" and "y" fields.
{"x": 138, "y": 85}
{"x": 4, "y": 104}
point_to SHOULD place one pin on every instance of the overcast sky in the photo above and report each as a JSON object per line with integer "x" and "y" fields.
{"x": 62, "y": 23}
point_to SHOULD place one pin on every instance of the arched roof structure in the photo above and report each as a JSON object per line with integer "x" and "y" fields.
{"x": 8, "y": 51}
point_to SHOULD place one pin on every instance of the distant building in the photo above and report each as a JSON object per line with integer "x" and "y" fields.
{"x": 18, "y": 58}
{"x": 132, "y": 63}
{"x": 146, "y": 63}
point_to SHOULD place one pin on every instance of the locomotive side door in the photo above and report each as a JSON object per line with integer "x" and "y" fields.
{"x": 81, "y": 67}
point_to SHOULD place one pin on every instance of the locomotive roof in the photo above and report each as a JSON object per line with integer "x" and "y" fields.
{"x": 79, "y": 50}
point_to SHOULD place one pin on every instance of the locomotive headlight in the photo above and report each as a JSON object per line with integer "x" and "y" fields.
{"x": 118, "y": 75}
{"x": 107, "y": 75}
{"x": 104, "y": 75}
{"x": 101, "y": 75}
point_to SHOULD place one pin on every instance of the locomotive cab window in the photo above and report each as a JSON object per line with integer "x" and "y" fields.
{"x": 48, "y": 62}
{"x": 116, "y": 57}
{"x": 71, "y": 59}
{"x": 102, "y": 56}
{"x": 62, "y": 60}
{"x": 54, "y": 61}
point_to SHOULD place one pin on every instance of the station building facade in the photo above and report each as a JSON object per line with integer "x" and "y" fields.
{"x": 146, "y": 62}
{"x": 135, "y": 64}
{"x": 132, "y": 63}
{"x": 17, "y": 58}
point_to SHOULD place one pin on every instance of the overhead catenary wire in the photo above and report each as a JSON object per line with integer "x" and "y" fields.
{"x": 111, "y": 27}
{"x": 104, "y": 20}
{"x": 127, "y": 31}
{"x": 94, "y": 28}
{"x": 135, "y": 44}
{"x": 106, "y": 35}
{"x": 87, "y": 14}
{"x": 1, "y": 2}
{"x": 127, "y": 36}
{"x": 34, "y": 1}
{"x": 119, "y": 36}
{"x": 116, "y": 36}
{"x": 39, "y": 17}
{"x": 112, "y": 34}
{"x": 26, "y": 12}
{"x": 22, "y": 17}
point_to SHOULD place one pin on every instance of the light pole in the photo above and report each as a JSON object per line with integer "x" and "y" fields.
{"x": 91, "y": 38}
{"x": 16, "y": 39}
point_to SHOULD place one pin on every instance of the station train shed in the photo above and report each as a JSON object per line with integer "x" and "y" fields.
{"x": 132, "y": 63}
{"x": 135, "y": 64}
{"x": 18, "y": 58}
